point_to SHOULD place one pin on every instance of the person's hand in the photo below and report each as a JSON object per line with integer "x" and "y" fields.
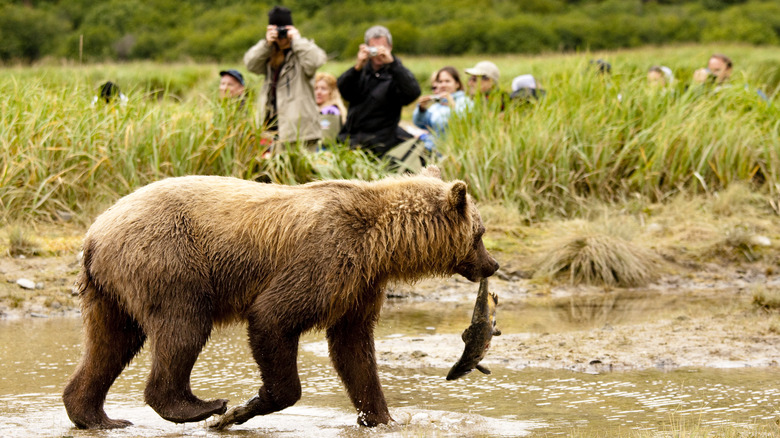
{"x": 362, "y": 57}
{"x": 441, "y": 98}
{"x": 701, "y": 75}
{"x": 293, "y": 33}
{"x": 446, "y": 99}
{"x": 271, "y": 34}
{"x": 426, "y": 102}
{"x": 384, "y": 55}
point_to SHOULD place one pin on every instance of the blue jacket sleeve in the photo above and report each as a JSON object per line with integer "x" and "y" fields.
{"x": 420, "y": 118}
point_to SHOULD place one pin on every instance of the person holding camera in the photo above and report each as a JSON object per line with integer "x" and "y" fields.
{"x": 289, "y": 62}
{"x": 433, "y": 111}
{"x": 718, "y": 70}
{"x": 377, "y": 88}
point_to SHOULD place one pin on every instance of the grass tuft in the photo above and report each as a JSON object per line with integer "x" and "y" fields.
{"x": 586, "y": 255}
{"x": 20, "y": 243}
{"x": 766, "y": 298}
{"x": 739, "y": 243}
{"x": 737, "y": 200}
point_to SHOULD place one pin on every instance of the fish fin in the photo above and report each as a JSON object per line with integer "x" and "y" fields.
{"x": 495, "y": 298}
{"x": 482, "y": 369}
{"x": 456, "y": 372}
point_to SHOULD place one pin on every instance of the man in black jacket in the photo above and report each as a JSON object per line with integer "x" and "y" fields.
{"x": 377, "y": 88}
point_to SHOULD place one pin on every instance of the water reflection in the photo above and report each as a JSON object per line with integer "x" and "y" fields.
{"x": 37, "y": 356}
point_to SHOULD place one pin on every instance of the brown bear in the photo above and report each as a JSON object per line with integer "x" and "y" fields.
{"x": 177, "y": 256}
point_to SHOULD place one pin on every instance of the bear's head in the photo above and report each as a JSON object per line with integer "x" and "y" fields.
{"x": 471, "y": 259}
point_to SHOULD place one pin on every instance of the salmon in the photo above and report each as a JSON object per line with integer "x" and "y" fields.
{"x": 478, "y": 335}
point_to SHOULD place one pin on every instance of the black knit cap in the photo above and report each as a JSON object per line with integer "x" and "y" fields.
{"x": 280, "y": 16}
{"x": 108, "y": 91}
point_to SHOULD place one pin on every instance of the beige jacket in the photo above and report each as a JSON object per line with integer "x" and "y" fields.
{"x": 295, "y": 104}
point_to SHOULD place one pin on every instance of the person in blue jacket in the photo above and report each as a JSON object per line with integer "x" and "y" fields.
{"x": 433, "y": 111}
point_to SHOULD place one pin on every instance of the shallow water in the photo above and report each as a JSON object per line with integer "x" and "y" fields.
{"x": 38, "y": 355}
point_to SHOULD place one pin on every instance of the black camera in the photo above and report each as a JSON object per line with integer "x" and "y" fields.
{"x": 281, "y": 32}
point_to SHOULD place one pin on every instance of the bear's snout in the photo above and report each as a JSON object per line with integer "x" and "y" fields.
{"x": 477, "y": 271}
{"x": 489, "y": 268}
{"x": 492, "y": 268}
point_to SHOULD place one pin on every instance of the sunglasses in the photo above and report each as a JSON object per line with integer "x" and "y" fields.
{"x": 474, "y": 78}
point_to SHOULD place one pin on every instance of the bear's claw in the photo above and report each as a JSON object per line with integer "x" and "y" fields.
{"x": 238, "y": 414}
{"x": 193, "y": 412}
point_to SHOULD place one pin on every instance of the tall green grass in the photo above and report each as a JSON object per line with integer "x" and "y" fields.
{"x": 58, "y": 152}
{"x": 61, "y": 152}
{"x": 614, "y": 137}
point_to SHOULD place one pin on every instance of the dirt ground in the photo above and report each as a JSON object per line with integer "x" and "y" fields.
{"x": 736, "y": 334}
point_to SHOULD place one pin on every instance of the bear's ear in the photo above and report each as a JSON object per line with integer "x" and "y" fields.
{"x": 431, "y": 170}
{"x": 457, "y": 197}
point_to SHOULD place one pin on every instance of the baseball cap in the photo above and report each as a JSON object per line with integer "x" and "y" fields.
{"x": 235, "y": 73}
{"x": 523, "y": 81}
{"x": 667, "y": 74}
{"x": 484, "y": 68}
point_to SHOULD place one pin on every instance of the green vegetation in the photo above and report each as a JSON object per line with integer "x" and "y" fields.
{"x": 615, "y": 137}
{"x": 176, "y": 30}
{"x": 64, "y": 155}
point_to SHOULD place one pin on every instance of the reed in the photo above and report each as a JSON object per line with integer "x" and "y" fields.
{"x": 611, "y": 138}
{"x": 591, "y": 137}
{"x": 63, "y": 153}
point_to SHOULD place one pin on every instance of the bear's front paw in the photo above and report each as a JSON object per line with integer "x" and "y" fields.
{"x": 373, "y": 419}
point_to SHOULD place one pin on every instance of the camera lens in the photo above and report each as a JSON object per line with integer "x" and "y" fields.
{"x": 281, "y": 32}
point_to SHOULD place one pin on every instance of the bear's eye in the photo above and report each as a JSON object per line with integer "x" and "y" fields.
{"x": 478, "y": 235}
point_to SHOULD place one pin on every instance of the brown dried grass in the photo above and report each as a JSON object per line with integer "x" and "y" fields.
{"x": 590, "y": 254}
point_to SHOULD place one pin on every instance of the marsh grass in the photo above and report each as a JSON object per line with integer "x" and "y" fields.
{"x": 766, "y": 298}
{"x": 611, "y": 138}
{"x": 60, "y": 154}
{"x": 21, "y": 243}
{"x": 592, "y": 253}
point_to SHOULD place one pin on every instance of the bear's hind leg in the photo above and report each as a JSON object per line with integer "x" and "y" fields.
{"x": 111, "y": 339}
{"x": 177, "y": 342}
{"x": 275, "y": 350}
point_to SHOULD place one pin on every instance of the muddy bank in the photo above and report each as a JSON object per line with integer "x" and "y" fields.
{"x": 593, "y": 330}
{"x": 702, "y": 318}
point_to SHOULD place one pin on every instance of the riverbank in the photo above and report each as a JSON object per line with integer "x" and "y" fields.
{"x": 711, "y": 300}
{"x": 585, "y": 329}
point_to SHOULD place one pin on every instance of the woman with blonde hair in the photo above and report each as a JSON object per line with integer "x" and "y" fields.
{"x": 326, "y": 93}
